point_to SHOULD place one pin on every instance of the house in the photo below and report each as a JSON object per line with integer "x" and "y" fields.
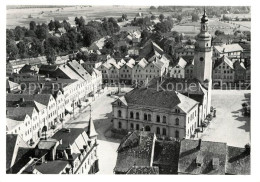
{"x": 240, "y": 72}
{"x": 15, "y": 149}
{"x": 223, "y": 70}
{"x": 12, "y": 87}
{"x": 136, "y": 149}
{"x": 69, "y": 151}
{"x": 183, "y": 51}
{"x": 202, "y": 157}
{"x": 125, "y": 72}
{"x": 169, "y": 113}
{"x": 25, "y": 122}
{"x": 229, "y": 50}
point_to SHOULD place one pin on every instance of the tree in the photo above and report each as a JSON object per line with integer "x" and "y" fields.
{"x": 41, "y": 32}
{"x": 80, "y": 22}
{"x": 57, "y": 25}
{"x": 90, "y": 34}
{"x": 32, "y": 25}
{"x": 53, "y": 42}
{"x": 50, "y": 55}
{"x": 219, "y": 32}
{"x": 109, "y": 44}
{"x": 11, "y": 49}
{"x": 19, "y": 33}
{"x": 30, "y": 33}
{"x": 10, "y": 34}
{"x": 152, "y": 8}
{"x": 179, "y": 18}
{"x": 161, "y": 17}
{"x": 66, "y": 25}
{"x": 123, "y": 49}
{"x": 194, "y": 17}
{"x": 51, "y": 25}
{"x": 64, "y": 42}
{"x": 153, "y": 17}
{"x": 124, "y": 17}
{"x": 23, "y": 49}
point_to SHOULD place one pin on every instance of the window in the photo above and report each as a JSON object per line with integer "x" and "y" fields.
{"x": 177, "y": 134}
{"x": 132, "y": 126}
{"x": 164, "y": 131}
{"x": 201, "y": 59}
{"x": 177, "y": 121}
{"x": 131, "y": 114}
{"x": 158, "y": 131}
{"x": 147, "y": 128}
{"x": 119, "y": 113}
{"x": 145, "y": 116}
{"x": 149, "y": 117}
{"x": 137, "y": 127}
{"x": 158, "y": 119}
{"x": 119, "y": 125}
{"x": 137, "y": 115}
{"x": 164, "y": 119}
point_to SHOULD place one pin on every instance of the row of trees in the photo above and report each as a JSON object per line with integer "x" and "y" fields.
{"x": 42, "y": 39}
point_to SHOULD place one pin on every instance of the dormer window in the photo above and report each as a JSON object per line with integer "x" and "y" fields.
{"x": 215, "y": 163}
{"x": 199, "y": 160}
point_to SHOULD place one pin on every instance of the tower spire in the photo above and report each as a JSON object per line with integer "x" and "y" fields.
{"x": 204, "y": 18}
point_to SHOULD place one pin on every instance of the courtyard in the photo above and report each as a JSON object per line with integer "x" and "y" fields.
{"x": 230, "y": 125}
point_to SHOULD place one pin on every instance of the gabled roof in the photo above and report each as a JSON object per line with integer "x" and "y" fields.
{"x": 13, "y": 143}
{"x": 79, "y": 70}
{"x": 20, "y": 111}
{"x": 166, "y": 155}
{"x": 91, "y": 128}
{"x": 196, "y": 157}
{"x": 238, "y": 161}
{"x": 143, "y": 170}
{"x": 161, "y": 99}
{"x": 150, "y": 49}
{"x": 142, "y": 63}
{"x": 228, "y": 48}
{"x": 11, "y": 85}
{"x": 135, "y": 149}
{"x": 225, "y": 59}
{"x": 14, "y": 121}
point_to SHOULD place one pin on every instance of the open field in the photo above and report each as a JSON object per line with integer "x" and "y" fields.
{"x": 43, "y": 15}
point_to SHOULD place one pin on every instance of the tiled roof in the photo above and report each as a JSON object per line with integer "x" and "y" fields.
{"x": 150, "y": 49}
{"x": 12, "y": 122}
{"x": 135, "y": 149}
{"x": 13, "y": 143}
{"x": 29, "y": 103}
{"x": 40, "y": 98}
{"x": 161, "y": 99}
{"x": 79, "y": 70}
{"x": 238, "y": 161}
{"x": 196, "y": 157}
{"x": 11, "y": 85}
{"x": 166, "y": 156}
{"x": 143, "y": 63}
{"x": 29, "y": 69}
{"x": 228, "y": 48}
{"x": 143, "y": 170}
{"x": 52, "y": 167}
{"x": 20, "y": 111}
{"x": 223, "y": 59}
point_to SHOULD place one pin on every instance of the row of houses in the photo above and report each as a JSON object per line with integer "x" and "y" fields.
{"x": 37, "y": 102}
{"x": 141, "y": 152}
{"x": 69, "y": 151}
{"x": 152, "y": 62}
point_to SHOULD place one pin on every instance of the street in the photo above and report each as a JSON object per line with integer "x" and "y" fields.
{"x": 229, "y": 125}
{"x": 101, "y": 115}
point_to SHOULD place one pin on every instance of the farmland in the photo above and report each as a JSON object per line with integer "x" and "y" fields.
{"x": 22, "y": 17}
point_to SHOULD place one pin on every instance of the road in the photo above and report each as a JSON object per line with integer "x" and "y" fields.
{"x": 101, "y": 115}
{"x": 230, "y": 125}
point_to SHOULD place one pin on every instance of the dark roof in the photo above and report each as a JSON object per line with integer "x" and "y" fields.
{"x": 238, "y": 161}
{"x": 203, "y": 152}
{"x": 166, "y": 156}
{"x": 29, "y": 69}
{"x": 142, "y": 96}
{"x": 143, "y": 170}
{"x": 246, "y": 47}
{"x": 135, "y": 149}
{"x": 68, "y": 138}
{"x": 48, "y": 68}
{"x": 41, "y": 98}
{"x": 52, "y": 167}
{"x": 13, "y": 143}
{"x": 150, "y": 48}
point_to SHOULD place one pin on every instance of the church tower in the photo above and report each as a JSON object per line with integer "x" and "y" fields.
{"x": 203, "y": 59}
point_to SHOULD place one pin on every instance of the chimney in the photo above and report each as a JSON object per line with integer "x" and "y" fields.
{"x": 215, "y": 163}
{"x": 38, "y": 78}
{"x": 56, "y": 78}
{"x": 199, "y": 144}
{"x": 21, "y": 100}
{"x": 247, "y": 148}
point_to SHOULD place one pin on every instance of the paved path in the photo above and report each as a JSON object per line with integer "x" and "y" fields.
{"x": 230, "y": 125}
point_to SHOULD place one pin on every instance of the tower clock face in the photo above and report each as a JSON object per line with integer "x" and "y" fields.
{"x": 201, "y": 59}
